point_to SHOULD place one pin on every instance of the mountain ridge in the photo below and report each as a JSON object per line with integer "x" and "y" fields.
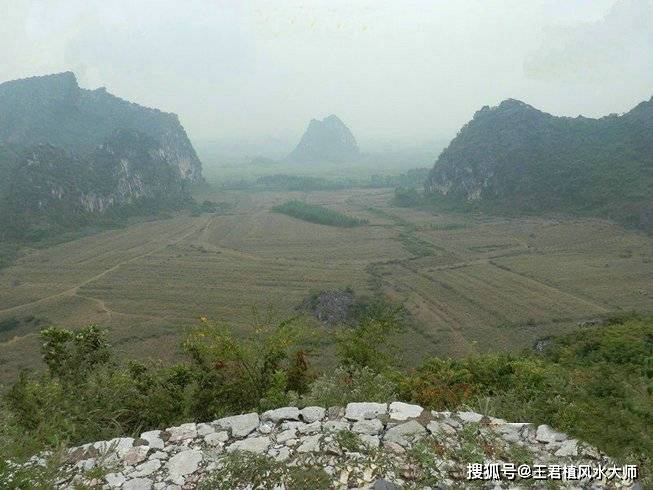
{"x": 326, "y": 140}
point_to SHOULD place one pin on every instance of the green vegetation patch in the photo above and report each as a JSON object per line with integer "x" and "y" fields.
{"x": 315, "y": 213}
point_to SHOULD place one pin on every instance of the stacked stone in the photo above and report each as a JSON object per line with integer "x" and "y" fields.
{"x": 180, "y": 457}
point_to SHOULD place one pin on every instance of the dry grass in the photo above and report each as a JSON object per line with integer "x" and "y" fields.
{"x": 472, "y": 283}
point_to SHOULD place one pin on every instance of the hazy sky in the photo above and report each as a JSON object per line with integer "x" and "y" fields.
{"x": 405, "y": 71}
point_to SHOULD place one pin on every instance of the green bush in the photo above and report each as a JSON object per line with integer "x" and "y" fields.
{"x": 317, "y": 214}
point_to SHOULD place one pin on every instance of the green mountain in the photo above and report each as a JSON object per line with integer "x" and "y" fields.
{"x": 515, "y": 157}
{"x": 71, "y": 157}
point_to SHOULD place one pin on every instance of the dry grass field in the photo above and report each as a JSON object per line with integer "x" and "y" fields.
{"x": 472, "y": 283}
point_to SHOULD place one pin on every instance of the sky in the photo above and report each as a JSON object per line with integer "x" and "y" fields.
{"x": 403, "y": 71}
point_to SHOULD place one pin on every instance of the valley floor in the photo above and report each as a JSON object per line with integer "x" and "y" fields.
{"x": 472, "y": 283}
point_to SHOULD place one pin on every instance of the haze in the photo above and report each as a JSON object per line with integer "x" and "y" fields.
{"x": 400, "y": 72}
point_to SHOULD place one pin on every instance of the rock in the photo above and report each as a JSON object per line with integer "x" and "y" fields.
{"x": 362, "y": 411}
{"x": 159, "y": 455}
{"x": 404, "y": 411}
{"x": 383, "y": 484}
{"x": 404, "y": 434}
{"x": 256, "y": 445}
{"x": 547, "y": 435}
{"x": 216, "y": 438}
{"x": 138, "y": 484}
{"x": 438, "y": 428}
{"x": 370, "y": 441}
{"x": 183, "y": 432}
{"x": 146, "y": 469}
{"x": 266, "y": 427}
{"x": 114, "y": 480}
{"x": 282, "y": 454}
{"x": 205, "y": 429}
{"x": 184, "y": 463}
{"x": 240, "y": 425}
{"x": 368, "y": 427}
{"x": 309, "y": 444}
{"x": 335, "y": 425}
{"x": 568, "y": 448}
{"x": 312, "y": 414}
{"x": 285, "y": 413}
{"x": 470, "y": 417}
{"x": 153, "y": 438}
{"x": 286, "y": 435}
{"x": 310, "y": 428}
{"x": 135, "y": 455}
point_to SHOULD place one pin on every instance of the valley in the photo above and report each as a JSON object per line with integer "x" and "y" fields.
{"x": 472, "y": 283}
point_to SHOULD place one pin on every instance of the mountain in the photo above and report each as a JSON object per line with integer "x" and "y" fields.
{"x": 72, "y": 157}
{"x": 328, "y": 140}
{"x": 53, "y": 109}
{"x": 516, "y": 157}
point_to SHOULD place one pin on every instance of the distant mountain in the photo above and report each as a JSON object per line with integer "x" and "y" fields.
{"x": 69, "y": 157}
{"x": 516, "y": 157}
{"x": 328, "y": 140}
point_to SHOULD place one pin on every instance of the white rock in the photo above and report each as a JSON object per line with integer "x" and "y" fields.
{"x": 217, "y": 438}
{"x": 256, "y": 445}
{"x": 283, "y": 454}
{"x": 309, "y": 444}
{"x": 205, "y": 429}
{"x": 404, "y": 411}
{"x": 335, "y": 425}
{"x": 369, "y": 427}
{"x": 183, "y": 432}
{"x": 470, "y": 417}
{"x": 138, "y": 484}
{"x": 184, "y": 463}
{"x": 406, "y": 433}
{"x": 240, "y": 425}
{"x": 438, "y": 428}
{"x": 159, "y": 455}
{"x": 310, "y": 428}
{"x": 312, "y": 414}
{"x": 547, "y": 435}
{"x": 370, "y": 441}
{"x": 135, "y": 455}
{"x": 286, "y": 435}
{"x": 146, "y": 469}
{"x": 279, "y": 414}
{"x": 114, "y": 480}
{"x": 153, "y": 438}
{"x": 362, "y": 411}
{"x": 292, "y": 425}
{"x": 266, "y": 427}
{"x": 568, "y": 448}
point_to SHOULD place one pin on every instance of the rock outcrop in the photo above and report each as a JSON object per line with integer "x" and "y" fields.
{"x": 363, "y": 445}
{"x": 69, "y": 155}
{"x": 54, "y": 110}
{"x": 329, "y": 140}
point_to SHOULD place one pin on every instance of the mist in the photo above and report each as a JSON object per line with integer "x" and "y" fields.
{"x": 398, "y": 73}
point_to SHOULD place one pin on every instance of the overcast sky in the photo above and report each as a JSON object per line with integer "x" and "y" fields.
{"x": 405, "y": 71}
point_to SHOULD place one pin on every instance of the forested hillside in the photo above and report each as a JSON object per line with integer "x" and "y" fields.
{"x": 516, "y": 157}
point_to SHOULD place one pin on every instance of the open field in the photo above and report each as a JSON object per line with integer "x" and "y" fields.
{"x": 472, "y": 283}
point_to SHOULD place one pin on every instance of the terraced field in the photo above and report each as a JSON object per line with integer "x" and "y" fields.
{"x": 472, "y": 283}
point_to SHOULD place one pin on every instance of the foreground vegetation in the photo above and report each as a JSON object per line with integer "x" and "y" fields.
{"x": 315, "y": 213}
{"x": 595, "y": 383}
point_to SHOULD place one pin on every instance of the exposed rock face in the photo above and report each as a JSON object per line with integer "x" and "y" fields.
{"x": 366, "y": 445}
{"x": 69, "y": 155}
{"x": 54, "y": 110}
{"x": 520, "y": 158}
{"x": 328, "y": 140}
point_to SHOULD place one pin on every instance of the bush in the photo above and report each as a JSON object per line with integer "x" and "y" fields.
{"x": 317, "y": 214}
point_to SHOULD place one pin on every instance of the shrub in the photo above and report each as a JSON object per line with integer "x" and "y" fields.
{"x": 317, "y": 214}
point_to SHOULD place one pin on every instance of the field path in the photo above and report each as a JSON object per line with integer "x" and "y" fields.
{"x": 73, "y": 290}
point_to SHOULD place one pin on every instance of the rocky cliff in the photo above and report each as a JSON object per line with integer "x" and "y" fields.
{"x": 516, "y": 157}
{"x": 364, "y": 445}
{"x": 54, "y": 110}
{"x": 70, "y": 156}
{"x": 328, "y": 140}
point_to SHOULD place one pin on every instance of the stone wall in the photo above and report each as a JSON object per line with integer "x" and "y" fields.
{"x": 363, "y": 445}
